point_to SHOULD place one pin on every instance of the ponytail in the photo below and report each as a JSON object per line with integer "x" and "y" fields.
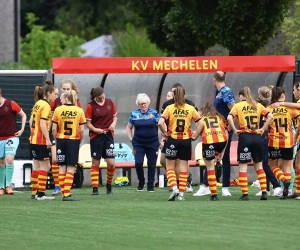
{"x": 38, "y": 93}
{"x": 249, "y": 99}
{"x": 276, "y": 94}
{"x": 179, "y": 97}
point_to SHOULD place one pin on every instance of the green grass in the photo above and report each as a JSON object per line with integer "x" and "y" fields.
{"x": 132, "y": 220}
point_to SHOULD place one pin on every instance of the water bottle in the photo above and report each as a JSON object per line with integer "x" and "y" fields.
{"x": 161, "y": 181}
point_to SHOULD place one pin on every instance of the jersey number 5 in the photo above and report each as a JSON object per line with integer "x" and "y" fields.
{"x": 67, "y": 129}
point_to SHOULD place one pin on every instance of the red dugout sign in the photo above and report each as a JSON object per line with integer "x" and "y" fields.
{"x": 203, "y": 64}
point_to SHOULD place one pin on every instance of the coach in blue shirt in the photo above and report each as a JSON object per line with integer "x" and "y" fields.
{"x": 223, "y": 103}
{"x": 145, "y": 139}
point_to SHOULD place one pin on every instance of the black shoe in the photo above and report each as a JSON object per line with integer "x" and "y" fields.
{"x": 108, "y": 189}
{"x": 140, "y": 187}
{"x": 213, "y": 198}
{"x": 294, "y": 195}
{"x": 40, "y": 194}
{"x": 282, "y": 197}
{"x": 69, "y": 198}
{"x": 264, "y": 196}
{"x": 286, "y": 185}
{"x": 95, "y": 191}
{"x": 150, "y": 189}
{"x": 245, "y": 197}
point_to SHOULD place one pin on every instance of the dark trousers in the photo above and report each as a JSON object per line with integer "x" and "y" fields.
{"x": 269, "y": 174}
{"x": 151, "y": 153}
{"x": 226, "y": 165}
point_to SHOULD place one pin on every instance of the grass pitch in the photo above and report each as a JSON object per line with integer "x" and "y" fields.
{"x": 141, "y": 220}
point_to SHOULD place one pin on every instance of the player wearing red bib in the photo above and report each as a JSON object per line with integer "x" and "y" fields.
{"x": 9, "y": 140}
{"x": 101, "y": 115}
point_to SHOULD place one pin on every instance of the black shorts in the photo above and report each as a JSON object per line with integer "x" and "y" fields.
{"x": 163, "y": 150}
{"x": 102, "y": 146}
{"x": 52, "y": 139}
{"x": 178, "y": 149}
{"x": 209, "y": 150}
{"x": 283, "y": 153}
{"x": 249, "y": 146}
{"x": 67, "y": 152}
{"x": 39, "y": 152}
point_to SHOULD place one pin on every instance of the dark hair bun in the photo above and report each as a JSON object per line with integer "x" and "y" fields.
{"x": 48, "y": 82}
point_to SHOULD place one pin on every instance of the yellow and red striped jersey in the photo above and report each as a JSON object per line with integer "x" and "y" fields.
{"x": 281, "y": 131}
{"x": 180, "y": 120}
{"x": 248, "y": 117}
{"x": 68, "y": 118}
{"x": 40, "y": 111}
{"x": 214, "y": 130}
{"x": 296, "y": 123}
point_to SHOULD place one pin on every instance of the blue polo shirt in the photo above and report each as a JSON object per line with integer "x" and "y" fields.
{"x": 145, "y": 124}
{"x": 223, "y": 99}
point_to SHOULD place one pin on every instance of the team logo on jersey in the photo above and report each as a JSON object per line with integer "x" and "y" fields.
{"x": 150, "y": 115}
{"x": 6, "y": 109}
{"x": 98, "y": 110}
{"x": 112, "y": 145}
{"x": 9, "y": 142}
{"x": 58, "y": 151}
{"x": 211, "y": 147}
{"x": 108, "y": 107}
{"x": 172, "y": 146}
{"x": 246, "y": 149}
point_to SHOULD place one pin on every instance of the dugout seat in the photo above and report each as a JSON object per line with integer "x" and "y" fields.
{"x": 85, "y": 158}
{"x": 84, "y": 154}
